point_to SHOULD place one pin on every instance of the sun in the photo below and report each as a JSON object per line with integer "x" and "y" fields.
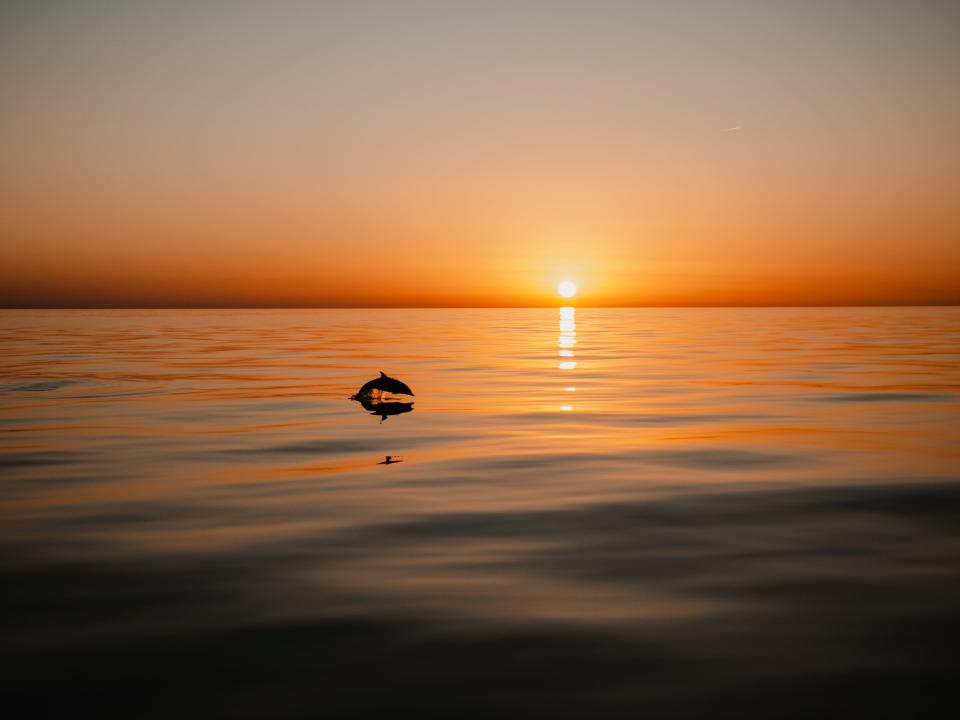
{"x": 567, "y": 288}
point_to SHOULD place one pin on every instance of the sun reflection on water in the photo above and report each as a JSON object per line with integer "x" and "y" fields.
{"x": 566, "y": 342}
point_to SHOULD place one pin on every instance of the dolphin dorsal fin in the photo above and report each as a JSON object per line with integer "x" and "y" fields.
{"x": 382, "y": 374}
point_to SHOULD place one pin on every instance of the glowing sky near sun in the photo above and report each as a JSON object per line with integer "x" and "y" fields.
{"x": 435, "y": 153}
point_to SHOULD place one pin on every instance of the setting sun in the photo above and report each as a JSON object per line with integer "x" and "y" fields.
{"x": 567, "y": 289}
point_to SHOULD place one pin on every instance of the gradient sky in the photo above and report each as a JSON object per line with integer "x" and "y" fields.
{"x": 476, "y": 153}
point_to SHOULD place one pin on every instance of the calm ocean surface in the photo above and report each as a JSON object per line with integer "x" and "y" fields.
{"x": 598, "y": 513}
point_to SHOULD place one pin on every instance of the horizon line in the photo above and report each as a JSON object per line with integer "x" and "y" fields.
{"x": 480, "y": 307}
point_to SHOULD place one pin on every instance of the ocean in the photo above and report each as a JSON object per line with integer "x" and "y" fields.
{"x": 583, "y": 513}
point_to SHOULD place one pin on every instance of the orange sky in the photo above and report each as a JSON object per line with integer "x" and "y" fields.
{"x": 365, "y": 153}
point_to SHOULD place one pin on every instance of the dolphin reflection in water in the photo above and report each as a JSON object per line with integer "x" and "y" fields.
{"x": 373, "y": 396}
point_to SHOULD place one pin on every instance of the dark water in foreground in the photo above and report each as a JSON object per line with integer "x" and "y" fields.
{"x": 606, "y": 513}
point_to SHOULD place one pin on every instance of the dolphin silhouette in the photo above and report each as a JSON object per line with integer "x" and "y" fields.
{"x": 384, "y": 384}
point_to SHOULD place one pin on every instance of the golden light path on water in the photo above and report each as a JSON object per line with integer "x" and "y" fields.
{"x": 567, "y": 342}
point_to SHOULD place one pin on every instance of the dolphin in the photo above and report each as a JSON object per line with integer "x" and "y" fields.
{"x": 384, "y": 384}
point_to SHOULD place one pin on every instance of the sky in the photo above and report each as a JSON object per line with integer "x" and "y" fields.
{"x": 437, "y": 153}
